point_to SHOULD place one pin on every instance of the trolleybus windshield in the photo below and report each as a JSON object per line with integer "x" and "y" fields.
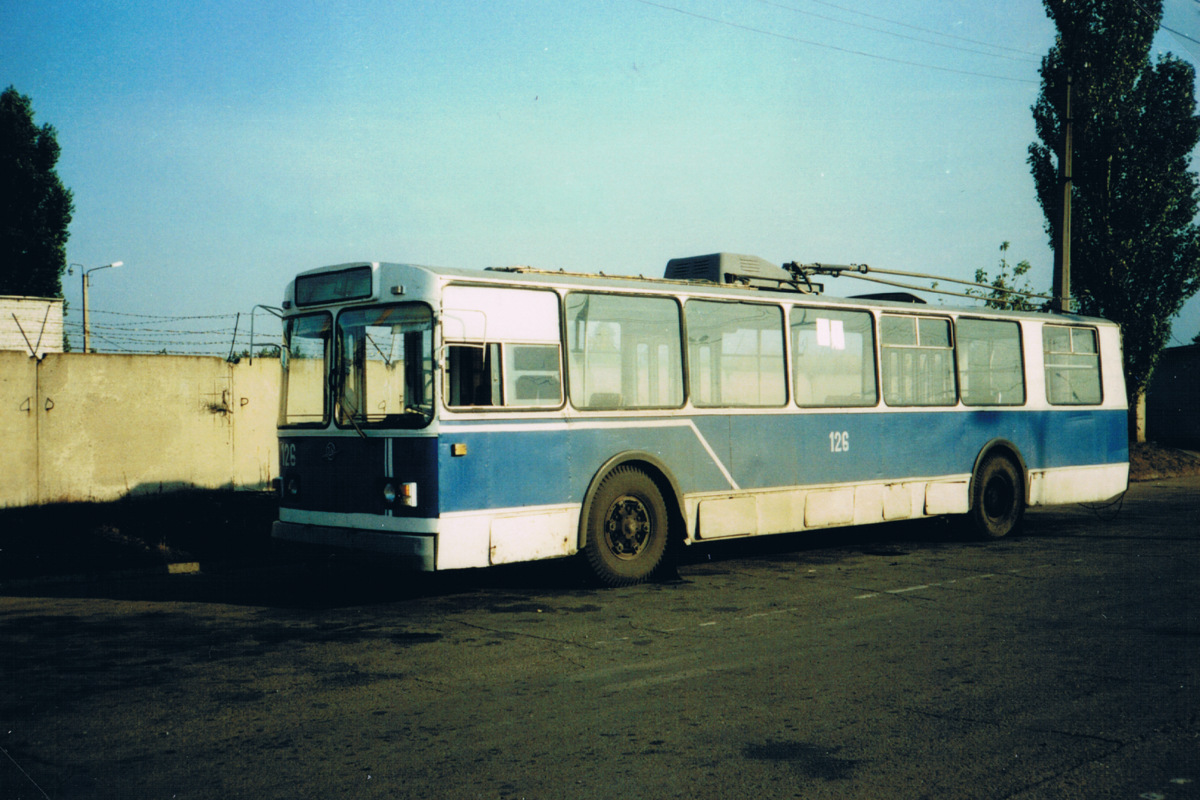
{"x": 384, "y": 370}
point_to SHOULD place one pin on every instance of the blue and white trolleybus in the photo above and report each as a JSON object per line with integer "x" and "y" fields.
{"x": 455, "y": 418}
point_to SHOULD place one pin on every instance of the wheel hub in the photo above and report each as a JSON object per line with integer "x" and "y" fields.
{"x": 627, "y": 527}
{"x": 997, "y": 498}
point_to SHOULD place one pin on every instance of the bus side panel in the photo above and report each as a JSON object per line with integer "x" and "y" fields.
{"x": 1080, "y": 437}
{"x": 516, "y": 489}
{"x": 530, "y": 465}
{"x": 1084, "y": 458}
{"x": 834, "y": 448}
{"x": 495, "y": 469}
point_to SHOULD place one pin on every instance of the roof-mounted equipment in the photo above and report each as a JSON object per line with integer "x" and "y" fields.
{"x": 734, "y": 268}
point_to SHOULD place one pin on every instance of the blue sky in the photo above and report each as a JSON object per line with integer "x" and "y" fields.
{"x": 217, "y": 147}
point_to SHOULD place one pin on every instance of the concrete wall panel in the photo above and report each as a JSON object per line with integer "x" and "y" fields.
{"x": 105, "y": 426}
{"x": 255, "y": 450}
{"x": 18, "y": 429}
{"x": 29, "y": 323}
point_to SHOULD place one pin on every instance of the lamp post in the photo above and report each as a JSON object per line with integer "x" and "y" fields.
{"x": 86, "y": 330}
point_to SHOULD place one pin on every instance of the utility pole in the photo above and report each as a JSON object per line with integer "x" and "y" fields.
{"x": 1062, "y": 247}
{"x": 87, "y": 336}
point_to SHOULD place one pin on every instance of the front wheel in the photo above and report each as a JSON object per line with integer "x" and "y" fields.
{"x": 626, "y": 528}
{"x": 997, "y": 498}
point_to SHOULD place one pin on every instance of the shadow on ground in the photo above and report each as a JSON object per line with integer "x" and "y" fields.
{"x": 272, "y": 580}
{"x": 122, "y": 549}
{"x": 140, "y": 531}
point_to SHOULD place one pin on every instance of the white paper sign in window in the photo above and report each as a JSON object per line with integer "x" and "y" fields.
{"x": 830, "y": 333}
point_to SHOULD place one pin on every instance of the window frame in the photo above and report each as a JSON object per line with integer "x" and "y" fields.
{"x": 568, "y": 325}
{"x": 334, "y": 286}
{"x": 1020, "y": 356}
{"x": 497, "y": 355}
{"x": 338, "y": 376}
{"x": 871, "y": 347}
{"x": 951, "y": 349}
{"x": 758, "y": 356}
{"x": 286, "y": 374}
{"x": 1046, "y": 366}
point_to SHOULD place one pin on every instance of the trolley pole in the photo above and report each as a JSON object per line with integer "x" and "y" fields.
{"x": 1062, "y": 248}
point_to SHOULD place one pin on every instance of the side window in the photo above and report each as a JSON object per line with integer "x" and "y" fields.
{"x": 623, "y": 351}
{"x": 531, "y": 375}
{"x": 473, "y": 375}
{"x": 1072, "y": 359}
{"x": 833, "y": 357}
{"x": 502, "y": 348}
{"x": 304, "y": 356}
{"x": 918, "y": 361}
{"x": 502, "y": 374}
{"x": 735, "y": 354}
{"x": 990, "y": 370}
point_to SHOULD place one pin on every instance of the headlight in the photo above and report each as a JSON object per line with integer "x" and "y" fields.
{"x": 402, "y": 494}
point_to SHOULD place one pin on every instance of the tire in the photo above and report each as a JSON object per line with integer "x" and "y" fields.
{"x": 627, "y": 528}
{"x": 997, "y": 498}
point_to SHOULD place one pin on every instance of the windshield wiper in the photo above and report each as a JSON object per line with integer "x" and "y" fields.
{"x": 336, "y": 381}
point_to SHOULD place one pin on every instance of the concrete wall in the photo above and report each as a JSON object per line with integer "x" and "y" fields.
{"x": 27, "y": 323}
{"x": 80, "y": 427}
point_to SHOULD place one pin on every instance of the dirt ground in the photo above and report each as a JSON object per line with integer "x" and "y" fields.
{"x": 1150, "y": 461}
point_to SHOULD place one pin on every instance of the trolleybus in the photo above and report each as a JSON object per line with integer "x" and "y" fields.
{"x": 464, "y": 418}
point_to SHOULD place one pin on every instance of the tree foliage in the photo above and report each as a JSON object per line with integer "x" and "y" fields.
{"x": 1010, "y": 289}
{"x": 35, "y": 208}
{"x": 1135, "y": 249}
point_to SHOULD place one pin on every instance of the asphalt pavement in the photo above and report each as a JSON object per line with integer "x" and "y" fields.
{"x": 895, "y": 661}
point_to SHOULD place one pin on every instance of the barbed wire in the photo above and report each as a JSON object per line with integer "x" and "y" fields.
{"x": 232, "y": 315}
{"x": 226, "y": 335}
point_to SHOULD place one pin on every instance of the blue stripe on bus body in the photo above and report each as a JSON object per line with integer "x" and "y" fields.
{"x": 534, "y": 464}
{"x": 554, "y": 464}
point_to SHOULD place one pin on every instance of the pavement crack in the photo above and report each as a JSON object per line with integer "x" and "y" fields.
{"x": 1059, "y": 774}
{"x": 23, "y": 772}
{"x": 1030, "y": 728}
{"x": 505, "y": 631}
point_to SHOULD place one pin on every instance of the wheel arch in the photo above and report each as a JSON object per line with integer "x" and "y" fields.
{"x": 1005, "y": 448}
{"x": 657, "y": 471}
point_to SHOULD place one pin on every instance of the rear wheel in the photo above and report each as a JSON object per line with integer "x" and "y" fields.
{"x": 627, "y": 528}
{"x": 997, "y": 498}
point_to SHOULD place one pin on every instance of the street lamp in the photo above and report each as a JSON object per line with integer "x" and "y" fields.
{"x": 86, "y": 329}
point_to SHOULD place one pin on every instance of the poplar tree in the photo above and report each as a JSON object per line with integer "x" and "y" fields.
{"x": 35, "y": 208}
{"x": 1135, "y": 247}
